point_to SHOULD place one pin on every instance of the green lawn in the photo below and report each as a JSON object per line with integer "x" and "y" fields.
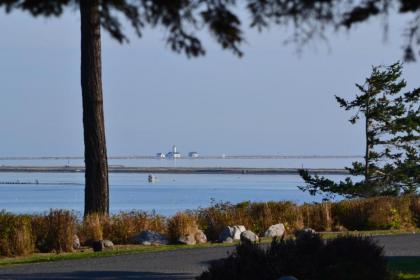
{"x": 88, "y": 253}
{"x": 406, "y": 267}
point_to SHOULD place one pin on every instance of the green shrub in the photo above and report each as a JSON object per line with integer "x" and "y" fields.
{"x": 15, "y": 235}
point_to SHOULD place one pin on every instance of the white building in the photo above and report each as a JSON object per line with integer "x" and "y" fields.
{"x": 160, "y": 155}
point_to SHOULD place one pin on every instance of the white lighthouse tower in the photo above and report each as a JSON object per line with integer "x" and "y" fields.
{"x": 173, "y": 154}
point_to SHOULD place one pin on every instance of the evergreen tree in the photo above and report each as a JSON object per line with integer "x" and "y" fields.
{"x": 391, "y": 130}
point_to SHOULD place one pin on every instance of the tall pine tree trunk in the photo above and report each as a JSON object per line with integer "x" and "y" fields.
{"x": 368, "y": 140}
{"x": 96, "y": 174}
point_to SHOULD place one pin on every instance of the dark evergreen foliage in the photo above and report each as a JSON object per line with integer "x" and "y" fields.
{"x": 183, "y": 18}
{"x": 392, "y": 139}
{"x": 306, "y": 258}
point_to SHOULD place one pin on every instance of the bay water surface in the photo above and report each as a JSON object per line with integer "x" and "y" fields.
{"x": 171, "y": 193}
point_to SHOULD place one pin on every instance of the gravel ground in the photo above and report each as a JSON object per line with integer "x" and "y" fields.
{"x": 179, "y": 264}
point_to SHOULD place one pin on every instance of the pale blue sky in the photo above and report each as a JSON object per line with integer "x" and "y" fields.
{"x": 270, "y": 101}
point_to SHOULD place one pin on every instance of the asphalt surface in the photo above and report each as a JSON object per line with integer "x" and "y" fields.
{"x": 179, "y": 264}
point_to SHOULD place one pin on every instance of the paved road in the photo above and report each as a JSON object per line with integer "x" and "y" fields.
{"x": 180, "y": 264}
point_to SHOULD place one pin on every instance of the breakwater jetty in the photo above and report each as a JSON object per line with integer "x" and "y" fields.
{"x": 178, "y": 170}
{"x": 36, "y": 182}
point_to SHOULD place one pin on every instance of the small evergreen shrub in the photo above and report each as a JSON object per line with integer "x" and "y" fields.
{"x": 306, "y": 258}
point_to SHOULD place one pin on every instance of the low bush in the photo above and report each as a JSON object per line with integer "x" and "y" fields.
{"x": 181, "y": 224}
{"x": 264, "y": 214}
{"x": 54, "y": 231}
{"x": 15, "y": 235}
{"x": 214, "y": 219}
{"x": 92, "y": 228}
{"x": 257, "y": 216}
{"x": 307, "y": 258}
{"x": 373, "y": 213}
{"x": 317, "y": 216}
{"x": 415, "y": 210}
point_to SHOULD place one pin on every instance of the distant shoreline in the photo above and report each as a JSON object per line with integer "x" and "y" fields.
{"x": 177, "y": 170}
{"x": 189, "y": 158}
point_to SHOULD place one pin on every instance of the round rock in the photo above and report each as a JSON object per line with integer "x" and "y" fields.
{"x": 276, "y": 230}
{"x": 249, "y": 236}
{"x": 149, "y": 237}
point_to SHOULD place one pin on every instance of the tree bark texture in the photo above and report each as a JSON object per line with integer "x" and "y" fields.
{"x": 96, "y": 174}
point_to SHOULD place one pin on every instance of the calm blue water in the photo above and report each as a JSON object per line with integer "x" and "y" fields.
{"x": 172, "y": 193}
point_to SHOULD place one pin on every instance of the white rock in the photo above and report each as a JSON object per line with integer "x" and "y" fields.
{"x": 276, "y": 230}
{"x": 188, "y": 239}
{"x": 200, "y": 237}
{"x": 108, "y": 244}
{"x": 237, "y": 230}
{"x": 76, "y": 242}
{"x": 233, "y": 232}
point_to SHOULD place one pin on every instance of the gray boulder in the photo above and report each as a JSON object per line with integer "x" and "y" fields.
{"x": 276, "y": 230}
{"x": 249, "y": 236}
{"x": 200, "y": 237}
{"x": 149, "y": 237}
{"x": 76, "y": 242}
{"x": 233, "y": 232}
{"x": 108, "y": 244}
{"x": 226, "y": 233}
{"x": 188, "y": 239}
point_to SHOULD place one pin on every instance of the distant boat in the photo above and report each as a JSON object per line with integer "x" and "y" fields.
{"x": 193, "y": 154}
{"x": 152, "y": 179}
